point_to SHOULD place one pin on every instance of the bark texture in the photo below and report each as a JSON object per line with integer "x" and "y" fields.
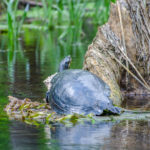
{"x": 105, "y": 53}
{"x": 99, "y": 61}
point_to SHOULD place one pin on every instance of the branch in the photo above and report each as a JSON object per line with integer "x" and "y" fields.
{"x": 31, "y": 3}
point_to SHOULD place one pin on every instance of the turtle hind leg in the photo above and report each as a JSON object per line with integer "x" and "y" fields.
{"x": 114, "y": 110}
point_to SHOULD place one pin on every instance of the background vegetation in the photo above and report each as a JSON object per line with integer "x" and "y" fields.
{"x": 68, "y": 17}
{"x": 59, "y": 27}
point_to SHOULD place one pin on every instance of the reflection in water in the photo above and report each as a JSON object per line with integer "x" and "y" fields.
{"x": 126, "y": 135}
{"x": 139, "y": 102}
{"x": 23, "y": 136}
{"x": 81, "y": 137}
{"x": 27, "y": 137}
{"x": 131, "y": 135}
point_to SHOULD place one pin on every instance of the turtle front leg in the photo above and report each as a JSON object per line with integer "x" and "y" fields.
{"x": 47, "y": 96}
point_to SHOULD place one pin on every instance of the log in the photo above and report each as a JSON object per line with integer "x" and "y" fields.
{"x": 99, "y": 62}
{"x": 124, "y": 40}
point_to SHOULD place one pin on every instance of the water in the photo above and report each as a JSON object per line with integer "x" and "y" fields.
{"x": 128, "y": 135}
{"x": 21, "y": 75}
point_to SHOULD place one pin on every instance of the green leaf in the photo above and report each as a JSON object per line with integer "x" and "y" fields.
{"x": 27, "y": 106}
{"x": 93, "y": 121}
{"x": 113, "y": 1}
{"x": 21, "y": 107}
{"x": 31, "y": 122}
{"x": 40, "y": 106}
{"x": 48, "y": 117}
{"x": 33, "y": 115}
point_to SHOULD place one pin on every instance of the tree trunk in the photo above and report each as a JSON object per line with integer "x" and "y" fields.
{"x": 124, "y": 42}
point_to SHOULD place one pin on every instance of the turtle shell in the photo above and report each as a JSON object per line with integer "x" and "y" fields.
{"x": 79, "y": 91}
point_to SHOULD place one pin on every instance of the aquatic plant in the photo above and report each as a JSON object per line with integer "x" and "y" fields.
{"x": 14, "y": 24}
{"x": 66, "y": 16}
{"x": 101, "y": 13}
{"x": 48, "y": 11}
{"x": 69, "y": 15}
{"x": 36, "y": 113}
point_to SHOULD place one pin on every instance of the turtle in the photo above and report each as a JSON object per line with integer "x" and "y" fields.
{"x": 79, "y": 91}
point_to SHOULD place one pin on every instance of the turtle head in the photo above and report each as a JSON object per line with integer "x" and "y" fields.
{"x": 65, "y": 63}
